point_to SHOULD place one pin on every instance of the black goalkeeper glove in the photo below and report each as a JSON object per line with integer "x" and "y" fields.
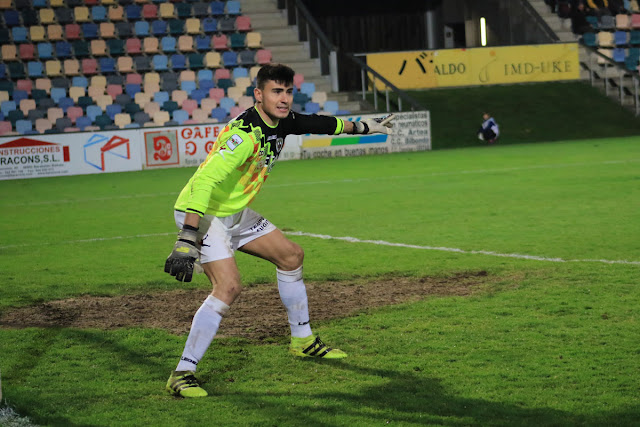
{"x": 379, "y": 125}
{"x": 181, "y": 261}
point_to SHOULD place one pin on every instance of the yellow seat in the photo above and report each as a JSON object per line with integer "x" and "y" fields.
{"x": 53, "y": 68}
{"x": 47, "y": 16}
{"x": 37, "y": 33}
{"x": 81, "y": 14}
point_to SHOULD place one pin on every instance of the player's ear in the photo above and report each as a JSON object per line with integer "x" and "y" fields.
{"x": 257, "y": 93}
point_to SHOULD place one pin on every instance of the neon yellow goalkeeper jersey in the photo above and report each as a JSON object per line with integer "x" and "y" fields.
{"x": 241, "y": 159}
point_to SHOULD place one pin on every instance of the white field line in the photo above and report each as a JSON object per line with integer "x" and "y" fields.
{"x": 338, "y": 181}
{"x": 350, "y": 240}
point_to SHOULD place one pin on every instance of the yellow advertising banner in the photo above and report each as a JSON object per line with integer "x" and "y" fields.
{"x": 477, "y": 66}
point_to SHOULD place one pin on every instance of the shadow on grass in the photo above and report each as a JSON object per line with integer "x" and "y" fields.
{"x": 409, "y": 399}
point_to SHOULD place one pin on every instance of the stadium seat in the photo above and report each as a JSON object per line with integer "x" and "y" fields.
{"x": 623, "y": 21}
{"x": 107, "y": 30}
{"x": 9, "y": 52}
{"x": 178, "y": 62}
{"x": 216, "y": 93}
{"x": 605, "y": 39}
{"x": 133, "y": 46}
{"x": 149, "y": 11}
{"x": 230, "y": 59}
{"x": 237, "y": 41}
{"x": 116, "y": 13}
{"x": 176, "y": 27}
{"x": 254, "y": 40}
{"x": 607, "y": 22}
{"x": 263, "y": 56}
{"x": 167, "y": 10}
{"x": 89, "y": 30}
{"x": 219, "y": 114}
{"x": 209, "y": 25}
{"x": 24, "y": 126}
{"x": 220, "y": 42}
{"x": 45, "y": 50}
{"x": 193, "y": 26}
{"x": 620, "y": 38}
{"x": 42, "y": 125}
{"x": 168, "y": 44}
{"x": 247, "y": 57}
{"x": 200, "y": 9}
{"x": 26, "y": 51}
{"x": 331, "y": 107}
{"x": 183, "y": 10}
{"x": 227, "y": 24}
{"x": 123, "y": 29}
{"x": 233, "y": 7}
{"x": 212, "y": 60}
{"x": 133, "y": 12}
{"x": 72, "y": 32}
{"x": 98, "y": 13}
{"x": 185, "y": 43}
{"x": 243, "y": 23}
{"x": 37, "y": 33}
{"x": 202, "y": 42}
{"x": 217, "y": 8}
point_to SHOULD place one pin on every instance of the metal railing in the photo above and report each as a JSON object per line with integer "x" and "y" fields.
{"x": 623, "y": 72}
{"x": 540, "y": 21}
{"x": 320, "y": 47}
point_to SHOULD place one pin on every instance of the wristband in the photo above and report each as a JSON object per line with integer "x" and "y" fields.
{"x": 189, "y": 227}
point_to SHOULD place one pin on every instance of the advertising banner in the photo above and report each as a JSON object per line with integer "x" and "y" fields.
{"x": 477, "y": 66}
{"x": 34, "y": 156}
{"x": 411, "y": 132}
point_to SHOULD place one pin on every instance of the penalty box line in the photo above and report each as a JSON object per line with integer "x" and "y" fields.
{"x": 456, "y": 250}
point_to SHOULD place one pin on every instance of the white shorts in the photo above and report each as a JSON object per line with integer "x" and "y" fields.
{"x": 220, "y": 237}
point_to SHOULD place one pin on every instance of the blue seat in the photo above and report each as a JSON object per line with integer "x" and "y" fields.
{"x": 219, "y": 114}
{"x": 178, "y": 62}
{"x": 35, "y": 69}
{"x": 20, "y": 34}
{"x": 80, "y": 81}
{"x": 131, "y": 89}
{"x": 168, "y": 44}
{"x": 227, "y": 103}
{"x": 39, "y": 3}
{"x": 188, "y": 86}
{"x": 203, "y": 42}
{"x": 331, "y": 107}
{"x": 63, "y": 49}
{"x": 112, "y": 110}
{"x": 308, "y": 88}
{"x": 158, "y": 28}
{"x": 90, "y": 30}
{"x": 225, "y": 84}
{"x": 58, "y": 93}
{"x": 209, "y": 25}
{"x": 11, "y": 18}
{"x": 180, "y": 116}
{"x": 620, "y": 38}
{"x": 619, "y": 54}
{"x": 65, "y": 103}
{"x": 160, "y": 62}
{"x": 170, "y": 106}
{"x": 199, "y": 94}
{"x": 311, "y": 107}
{"x": 593, "y": 20}
{"x": 107, "y": 65}
{"x": 24, "y": 126}
{"x": 233, "y": 7}
{"x": 133, "y": 12}
{"x": 141, "y": 28}
{"x": 83, "y": 121}
{"x": 98, "y": 14}
{"x": 206, "y": 84}
{"x": 239, "y": 72}
{"x": 19, "y": 95}
{"x": 205, "y": 74}
{"x": 230, "y": 59}
{"x": 160, "y": 97}
{"x": 7, "y": 106}
{"x": 93, "y": 111}
{"x": 3, "y": 71}
{"x": 217, "y": 7}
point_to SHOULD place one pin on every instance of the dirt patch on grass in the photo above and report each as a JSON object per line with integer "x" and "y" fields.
{"x": 257, "y": 314}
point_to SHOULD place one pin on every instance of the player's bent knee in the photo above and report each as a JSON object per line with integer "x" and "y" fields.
{"x": 293, "y": 259}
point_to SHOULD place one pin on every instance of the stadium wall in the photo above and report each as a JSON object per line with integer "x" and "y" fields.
{"x": 79, "y": 153}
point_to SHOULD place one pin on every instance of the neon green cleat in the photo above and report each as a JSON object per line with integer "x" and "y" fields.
{"x": 311, "y": 346}
{"x": 185, "y": 384}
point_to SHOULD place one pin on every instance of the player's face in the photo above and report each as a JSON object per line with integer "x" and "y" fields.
{"x": 274, "y": 100}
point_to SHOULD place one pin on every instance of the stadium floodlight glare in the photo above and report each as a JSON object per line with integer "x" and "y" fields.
{"x": 483, "y": 32}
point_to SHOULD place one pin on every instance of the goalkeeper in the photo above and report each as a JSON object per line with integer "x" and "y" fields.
{"x": 214, "y": 220}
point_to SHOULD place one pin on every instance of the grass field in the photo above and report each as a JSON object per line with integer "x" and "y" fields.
{"x": 549, "y": 338}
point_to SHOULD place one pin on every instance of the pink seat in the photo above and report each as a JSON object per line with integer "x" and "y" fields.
{"x": 189, "y": 105}
{"x": 216, "y": 93}
{"x": 5, "y": 127}
{"x": 133, "y": 46}
{"x": 243, "y": 23}
{"x": 24, "y": 84}
{"x": 134, "y": 79}
{"x": 114, "y": 90}
{"x": 149, "y": 11}
{"x": 73, "y": 113}
{"x": 26, "y": 51}
{"x": 263, "y": 56}
{"x": 298, "y": 79}
{"x": 221, "y": 73}
{"x": 220, "y": 42}
{"x": 72, "y": 31}
{"x": 635, "y": 20}
{"x": 89, "y": 66}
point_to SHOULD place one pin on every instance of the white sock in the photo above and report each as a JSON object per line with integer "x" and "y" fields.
{"x": 293, "y": 294}
{"x": 203, "y": 328}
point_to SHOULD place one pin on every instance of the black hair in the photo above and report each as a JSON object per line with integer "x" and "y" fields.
{"x": 279, "y": 73}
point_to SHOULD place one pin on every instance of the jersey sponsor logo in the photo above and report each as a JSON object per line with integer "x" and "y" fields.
{"x": 234, "y": 141}
{"x": 279, "y": 145}
{"x": 271, "y": 137}
{"x": 260, "y": 225}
